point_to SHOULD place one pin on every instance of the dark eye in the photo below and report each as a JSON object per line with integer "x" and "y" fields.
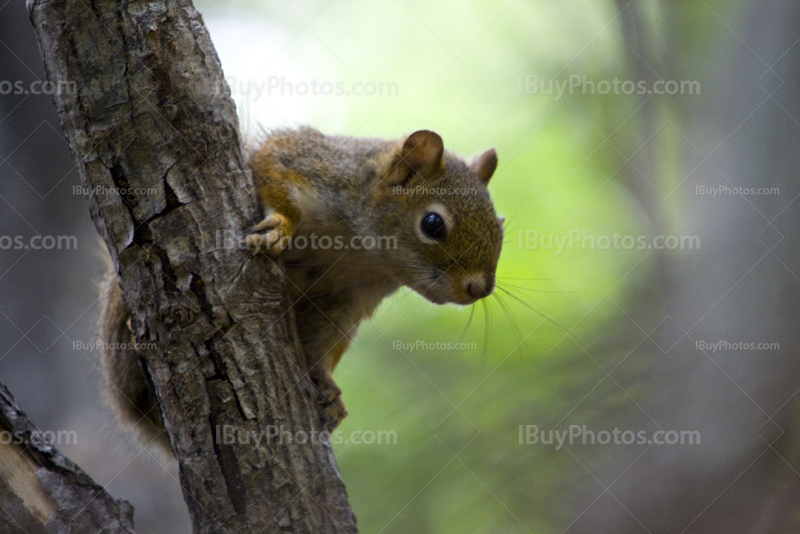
{"x": 433, "y": 226}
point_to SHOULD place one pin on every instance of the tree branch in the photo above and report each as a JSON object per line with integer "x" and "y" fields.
{"x": 42, "y": 491}
{"x": 155, "y": 135}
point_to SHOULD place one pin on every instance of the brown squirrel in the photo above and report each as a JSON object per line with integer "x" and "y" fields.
{"x": 353, "y": 220}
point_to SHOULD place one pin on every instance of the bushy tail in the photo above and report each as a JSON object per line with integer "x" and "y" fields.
{"x": 128, "y": 388}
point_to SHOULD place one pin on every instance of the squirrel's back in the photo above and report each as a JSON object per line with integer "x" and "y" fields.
{"x": 325, "y": 160}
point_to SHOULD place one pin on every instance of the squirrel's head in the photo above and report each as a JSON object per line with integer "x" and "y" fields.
{"x": 448, "y": 233}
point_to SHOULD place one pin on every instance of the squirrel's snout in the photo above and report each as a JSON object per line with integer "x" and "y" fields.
{"x": 478, "y": 286}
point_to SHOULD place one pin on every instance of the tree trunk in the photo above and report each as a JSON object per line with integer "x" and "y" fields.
{"x": 148, "y": 115}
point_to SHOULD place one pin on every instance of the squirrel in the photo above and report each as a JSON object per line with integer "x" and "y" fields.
{"x": 353, "y": 220}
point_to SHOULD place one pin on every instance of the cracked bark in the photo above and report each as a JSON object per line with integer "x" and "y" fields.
{"x": 152, "y": 118}
{"x": 42, "y": 491}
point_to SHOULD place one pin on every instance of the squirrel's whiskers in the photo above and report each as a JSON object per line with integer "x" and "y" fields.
{"x": 352, "y": 220}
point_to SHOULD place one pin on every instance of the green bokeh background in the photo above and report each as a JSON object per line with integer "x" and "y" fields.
{"x": 457, "y": 465}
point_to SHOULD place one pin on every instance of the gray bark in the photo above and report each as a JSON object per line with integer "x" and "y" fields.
{"x": 152, "y": 121}
{"x": 41, "y": 491}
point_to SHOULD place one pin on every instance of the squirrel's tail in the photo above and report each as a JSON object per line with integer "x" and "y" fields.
{"x": 128, "y": 388}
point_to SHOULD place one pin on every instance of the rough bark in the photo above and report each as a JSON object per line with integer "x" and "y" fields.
{"x": 42, "y": 491}
{"x": 155, "y": 135}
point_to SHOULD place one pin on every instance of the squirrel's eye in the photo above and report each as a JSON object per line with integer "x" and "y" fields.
{"x": 433, "y": 225}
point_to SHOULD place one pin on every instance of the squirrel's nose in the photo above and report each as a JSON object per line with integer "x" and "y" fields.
{"x": 479, "y": 287}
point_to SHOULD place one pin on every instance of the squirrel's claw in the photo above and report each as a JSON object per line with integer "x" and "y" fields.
{"x": 332, "y": 410}
{"x": 333, "y": 413}
{"x": 274, "y": 239}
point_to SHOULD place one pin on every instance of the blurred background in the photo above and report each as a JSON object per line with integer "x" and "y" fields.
{"x": 636, "y": 369}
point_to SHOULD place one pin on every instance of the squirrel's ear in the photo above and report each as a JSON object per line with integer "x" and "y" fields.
{"x": 422, "y": 152}
{"x": 485, "y": 165}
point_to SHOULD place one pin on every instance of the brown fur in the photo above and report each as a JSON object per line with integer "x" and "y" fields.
{"x": 127, "y": 386}
{"x": 314, "y": 185}
{"x": 342, "y": 186}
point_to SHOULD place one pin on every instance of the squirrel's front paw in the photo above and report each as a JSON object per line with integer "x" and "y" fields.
{"x": 271, "y": 235}
{"x": 332, "y": 410}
